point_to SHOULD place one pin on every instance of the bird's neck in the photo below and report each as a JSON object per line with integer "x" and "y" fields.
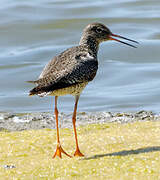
{"x": 91, "y": 43}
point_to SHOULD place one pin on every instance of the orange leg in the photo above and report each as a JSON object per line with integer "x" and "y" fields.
{"x": 59, "y": 149}
{"x": 77, "y": 152}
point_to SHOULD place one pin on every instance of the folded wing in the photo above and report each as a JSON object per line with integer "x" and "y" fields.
{"x": 62, "y": 72}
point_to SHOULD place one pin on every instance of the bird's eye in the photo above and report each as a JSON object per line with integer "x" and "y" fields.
{"x": 98, "y": 30}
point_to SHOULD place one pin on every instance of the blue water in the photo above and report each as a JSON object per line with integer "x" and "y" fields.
{"x": 32, "y": 32}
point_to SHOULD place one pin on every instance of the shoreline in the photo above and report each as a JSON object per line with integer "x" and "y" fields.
{"x": 26, "y": 121}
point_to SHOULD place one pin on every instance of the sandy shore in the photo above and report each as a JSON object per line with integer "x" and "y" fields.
{"x": 112, "y": 151}
{"x": 19, "y": 122}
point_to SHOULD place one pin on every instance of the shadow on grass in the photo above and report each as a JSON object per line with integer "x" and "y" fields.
{"x": 126, "y": 152}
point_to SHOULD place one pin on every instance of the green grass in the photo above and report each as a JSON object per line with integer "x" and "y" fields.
{"x": 112, "y": 151}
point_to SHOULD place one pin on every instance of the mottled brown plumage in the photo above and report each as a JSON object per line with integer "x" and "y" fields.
{"x": 74, "y": 66}
{"x": 70, "y": 72}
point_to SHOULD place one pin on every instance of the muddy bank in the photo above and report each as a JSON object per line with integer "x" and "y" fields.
{"x": 19, "y": 122}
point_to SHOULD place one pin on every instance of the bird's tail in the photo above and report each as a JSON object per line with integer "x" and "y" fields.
{"x": 32, "y": 92}
{"x": 33, "y": 82}
{"x": 40, "y": 91}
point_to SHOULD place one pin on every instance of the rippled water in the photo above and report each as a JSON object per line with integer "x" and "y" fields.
{"x": 32, "y": 32}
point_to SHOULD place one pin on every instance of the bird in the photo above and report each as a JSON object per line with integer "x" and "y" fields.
{"x": 70, "y": 72}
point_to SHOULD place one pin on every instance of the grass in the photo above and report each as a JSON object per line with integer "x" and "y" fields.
{"x": 112, "y": 151}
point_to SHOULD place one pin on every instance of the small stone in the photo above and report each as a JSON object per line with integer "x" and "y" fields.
{"x": 9, "y": 166}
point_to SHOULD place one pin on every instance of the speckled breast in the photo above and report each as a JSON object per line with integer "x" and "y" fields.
{"x": 73, "y": 90}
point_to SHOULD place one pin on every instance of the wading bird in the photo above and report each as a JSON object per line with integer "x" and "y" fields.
{"x": 72, "y": 70}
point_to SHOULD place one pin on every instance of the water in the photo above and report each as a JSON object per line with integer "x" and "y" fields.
{"x": 32, "y": 32}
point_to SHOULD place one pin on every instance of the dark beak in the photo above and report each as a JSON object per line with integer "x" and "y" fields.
{"x": 111, "y": 38}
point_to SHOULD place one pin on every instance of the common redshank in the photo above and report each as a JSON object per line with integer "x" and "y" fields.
{"x": 70, "y": 72}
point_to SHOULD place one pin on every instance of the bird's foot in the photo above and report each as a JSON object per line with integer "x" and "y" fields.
{"x": 59, "y": 151}
{"x": 78, "y": 153}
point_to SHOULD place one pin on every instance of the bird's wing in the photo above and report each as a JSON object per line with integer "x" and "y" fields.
{"x": 66, "y": 70}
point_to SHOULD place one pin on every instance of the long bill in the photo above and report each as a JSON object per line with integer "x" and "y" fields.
{"x": 115, "y": 35}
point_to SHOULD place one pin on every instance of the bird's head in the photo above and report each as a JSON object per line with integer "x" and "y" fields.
{"x": 101, "y": 33}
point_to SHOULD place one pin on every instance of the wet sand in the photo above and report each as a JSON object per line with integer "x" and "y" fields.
{"x": 25, "y": 121}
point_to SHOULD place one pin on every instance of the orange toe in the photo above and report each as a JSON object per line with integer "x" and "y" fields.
{"x": 59, "y": 151}
{"x": 78, "y": 153}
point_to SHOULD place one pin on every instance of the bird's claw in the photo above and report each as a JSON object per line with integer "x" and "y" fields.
{"x": 59, "y": 151}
